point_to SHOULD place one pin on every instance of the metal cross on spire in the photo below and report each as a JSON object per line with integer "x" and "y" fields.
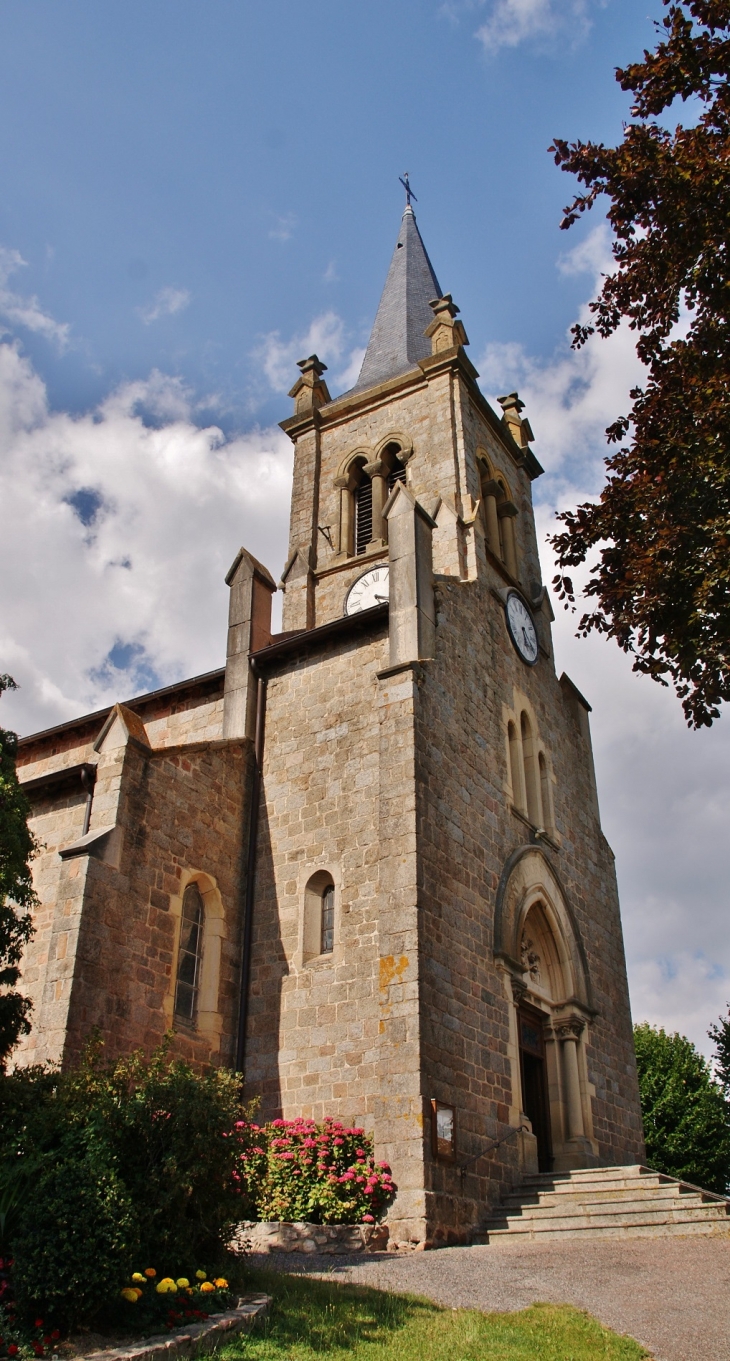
{"x": 406, "y": 185}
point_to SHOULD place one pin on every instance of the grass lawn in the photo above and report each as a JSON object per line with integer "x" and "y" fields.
{"x": 311, "y": 1318}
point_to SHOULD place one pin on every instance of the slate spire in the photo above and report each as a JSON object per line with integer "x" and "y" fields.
{"x": 397, "y": 340}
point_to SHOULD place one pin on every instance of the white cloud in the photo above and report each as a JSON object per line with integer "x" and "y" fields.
{"x": 511, "y": 22}
{"x": 348, "y": 376}
{"x": 592, "y": 255}
{"x": 26, "y": 311}
{"x": 118, "y": 528}
{"x": 166, "y": 303}
{"x": 325, "y": 338}
{"x": 664, "y": 791}
{"x": 577, "y": 393}
{"x": 283, "y": 227}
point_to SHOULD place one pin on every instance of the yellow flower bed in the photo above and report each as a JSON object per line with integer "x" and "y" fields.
{"x": 174, "y": 1301}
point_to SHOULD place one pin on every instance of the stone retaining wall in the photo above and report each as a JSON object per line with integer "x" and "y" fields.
{"x": 329, "y": 1238}
{"x": 190, "y": 1341}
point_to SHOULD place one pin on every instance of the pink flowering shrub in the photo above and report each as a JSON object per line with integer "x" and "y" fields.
{"x": 322, "y": 1174}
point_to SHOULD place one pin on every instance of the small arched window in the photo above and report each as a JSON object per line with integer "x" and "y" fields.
{"x": 327, "y": 933}
{"x": 515, "y": 764}
{"x": 548, "y": 820}
{"x": 190, "y": 955}
{"x": 503, "y": 531}
{"x": 393, "y": 465}
{"x": 499, "y": 516}
{"x": 529, "y": 772}
{"x": 532, "y": 785}
{"x": 319, "y": 916}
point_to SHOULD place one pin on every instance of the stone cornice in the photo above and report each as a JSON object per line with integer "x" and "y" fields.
{"x": 349, "y": 562}
{"x": 454, "y": 360}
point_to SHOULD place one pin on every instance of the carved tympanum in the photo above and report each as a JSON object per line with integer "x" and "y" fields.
{"x": 530, "y": 958}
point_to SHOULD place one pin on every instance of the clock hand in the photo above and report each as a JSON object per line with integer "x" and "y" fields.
{"x": 381, "y": 597}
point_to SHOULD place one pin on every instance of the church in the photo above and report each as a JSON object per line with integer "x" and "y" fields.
{"x": 362, "y": 863}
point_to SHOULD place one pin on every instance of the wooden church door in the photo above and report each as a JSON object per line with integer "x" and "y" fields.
{"x": 535, "y": 1102}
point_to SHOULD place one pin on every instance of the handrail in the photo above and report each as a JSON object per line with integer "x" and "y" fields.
{"x": 496, "y": 1143}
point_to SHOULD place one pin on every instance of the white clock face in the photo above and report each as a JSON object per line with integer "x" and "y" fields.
{"x": 369, "y": 589}
{"x": 521, "y": 628}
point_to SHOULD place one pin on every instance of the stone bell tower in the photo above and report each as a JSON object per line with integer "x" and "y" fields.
{"x": 435, "y": 945}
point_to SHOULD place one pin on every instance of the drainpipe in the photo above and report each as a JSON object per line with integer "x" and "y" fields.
{"x": 258, "y": 753}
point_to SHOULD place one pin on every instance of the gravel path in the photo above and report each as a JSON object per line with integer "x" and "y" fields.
{"x": 671, "y": 1294}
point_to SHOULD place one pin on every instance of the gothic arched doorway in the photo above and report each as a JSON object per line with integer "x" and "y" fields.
{"x": 546, "y": 977}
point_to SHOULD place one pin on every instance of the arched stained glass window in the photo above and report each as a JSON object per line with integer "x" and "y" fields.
{"x": 190, "y": 954}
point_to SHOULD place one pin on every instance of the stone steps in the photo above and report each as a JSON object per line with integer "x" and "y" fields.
{"x": 610, "y": 1202}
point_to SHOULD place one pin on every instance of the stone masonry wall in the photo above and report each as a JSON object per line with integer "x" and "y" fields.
{"x": 467, "y": 830}
{"x": 186, "y": 812}
{"x": 104, "y": 950}
{"x": 57, "y": 820}
{"x": 193, "y": 712}
{"x": 338, "y": 1034}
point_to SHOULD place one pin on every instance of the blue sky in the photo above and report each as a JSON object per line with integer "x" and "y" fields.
{"x": 196, "y": 195}
{"x": 183, "y": 178}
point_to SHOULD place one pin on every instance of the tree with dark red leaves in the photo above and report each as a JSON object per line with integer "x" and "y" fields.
{"x": 661, "y": 582}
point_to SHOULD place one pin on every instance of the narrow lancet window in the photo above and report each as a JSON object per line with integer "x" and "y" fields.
{"x": 396, "y": 474}
{"x": 532, "y": 787}
{"x": 545, "y": 792}
{"x": 396, "y": 468}
{"x": 515, "y": 761}
{"x": 328, "y": 920}
{"x": 190, "y": 955}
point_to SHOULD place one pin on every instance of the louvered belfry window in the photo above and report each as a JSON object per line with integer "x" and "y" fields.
{"x": 396, "y": 474}
{"x": 328, "y": 920}
{"x": 190, "y": 955}
{"x": 363, "y": 514}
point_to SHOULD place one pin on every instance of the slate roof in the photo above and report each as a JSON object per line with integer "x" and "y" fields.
{"x": 397, "y": 341}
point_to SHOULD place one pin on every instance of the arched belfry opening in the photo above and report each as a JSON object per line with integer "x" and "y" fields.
{"x": 365, "y": 481}
{"x": 363, "y": 511}
{"x": 538, "y": 944}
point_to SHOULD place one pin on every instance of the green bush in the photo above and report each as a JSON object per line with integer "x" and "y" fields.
{"x": 322, "y": 1174}
{"x": 686, "y": 1117}
{"x": 77, "y": 1236}
{"x": 130, "y": 1161}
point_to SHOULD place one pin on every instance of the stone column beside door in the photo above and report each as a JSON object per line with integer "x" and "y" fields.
{"x": 577, "y": 1149}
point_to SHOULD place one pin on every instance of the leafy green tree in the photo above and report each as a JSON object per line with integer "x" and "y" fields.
{"x": 661, "y": 582}
{"x": 686, "y": 1117}
{"x": 17, "y": 898}
{"x": 720, "y": 1033}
